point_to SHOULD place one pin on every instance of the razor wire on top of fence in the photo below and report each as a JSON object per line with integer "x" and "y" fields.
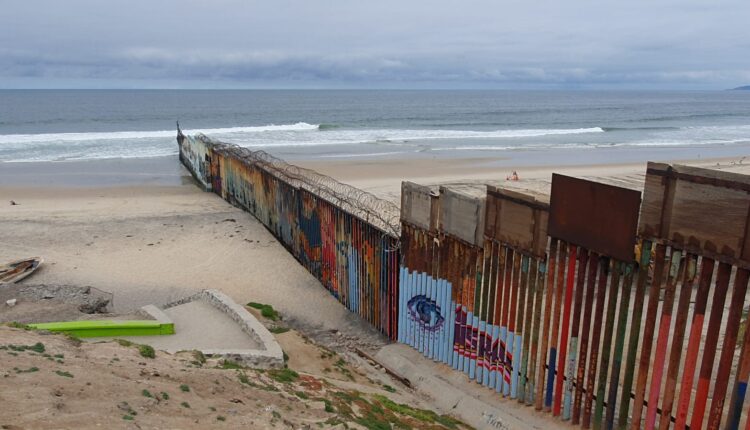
{"x": 370, "y": 208}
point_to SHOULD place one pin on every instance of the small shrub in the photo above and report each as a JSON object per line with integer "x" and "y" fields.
{"x": 226, "y": 364}
{"x": 243, "y": 378}
{"x": 65, "y": 374}
{"x": 278, "y": 330}
{"x": 266, "y": 310}
{"x": 127, "y": 417}
{"x": 388, "y": 388}
{"x": 185, "y": 405}
{"x": 212, "y": 409}
{"x": 328, "y": 406}
{"x": 164, "y": 395}
{"x": 124, "y": 342}
{"x": 147, "y": 351}
{"x": 221, "y": 418}
{"x": 199, "y": 357}
{"x": 301, "y": 395}
{"x": 147, "y": 393}
{"x": 184, "y": 388}
{"x": 283, "y": 375}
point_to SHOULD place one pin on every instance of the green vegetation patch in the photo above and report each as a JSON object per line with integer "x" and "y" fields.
{"x": 63, "y": 373}
{"x": 266, "y": 310}
{"x": 146, "y": 351}
{"x": 283, "y": 375}
{"x": 227, "y": 364}
{"x": 37, "y": 347}
{"x": 418, "y": 414}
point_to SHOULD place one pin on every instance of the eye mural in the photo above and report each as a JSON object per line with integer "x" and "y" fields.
{"x": 426, "y": 312}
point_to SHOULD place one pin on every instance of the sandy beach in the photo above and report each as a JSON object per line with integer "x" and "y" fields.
{"x": 157, "y": 237}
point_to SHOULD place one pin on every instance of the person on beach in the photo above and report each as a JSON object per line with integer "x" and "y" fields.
{"x": 512, "y": 177}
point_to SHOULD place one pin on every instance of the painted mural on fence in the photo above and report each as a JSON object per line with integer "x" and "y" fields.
{"x": 356, "y": 261}
{"x": 547, "y": 304}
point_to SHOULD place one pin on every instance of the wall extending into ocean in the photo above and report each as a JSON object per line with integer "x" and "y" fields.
{"x": 605, "y": 306}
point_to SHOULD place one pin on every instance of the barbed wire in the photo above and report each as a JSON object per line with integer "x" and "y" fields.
{"x": 362, "y": 204}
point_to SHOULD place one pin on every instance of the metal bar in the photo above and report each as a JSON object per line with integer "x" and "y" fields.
{"x": 555, "y": 326}
{"x": 585, "y": 332}
{"x": 633, "y": 344}
{"x": 601, "y": 291}
{"x": 549, "y": 287}
{"x": 678, "y": 337}
{"x": 509, "y": 388}
{"x": 606, "y": 345}
{"x": 740, "y": 385}
{"x": 570, "y": 282}
{"x": 614, "y": 379}
{"x": 727, "y": 352}
{"x": 648, "y": 337}
{"x": 541, "y": 271}
{"x": 676, "y": 270}
{"x": 709, "y": 345}
{"x": 572, "y": 382}
{"x": 524, "y": 385}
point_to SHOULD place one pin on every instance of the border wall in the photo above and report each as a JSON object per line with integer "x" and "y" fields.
{"x": 346, "y": 238}
{"x": 605, "y": 307}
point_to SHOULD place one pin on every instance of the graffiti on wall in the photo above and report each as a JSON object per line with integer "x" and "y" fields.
{"x": 563, "y": 306}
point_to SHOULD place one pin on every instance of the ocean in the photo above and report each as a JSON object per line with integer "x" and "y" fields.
{"x": 547, "y": 126}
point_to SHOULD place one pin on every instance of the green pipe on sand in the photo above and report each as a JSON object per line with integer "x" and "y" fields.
{"x": 95, "y": 328}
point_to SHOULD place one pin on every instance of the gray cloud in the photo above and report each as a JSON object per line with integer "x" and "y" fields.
{"x": 350, "y": 43}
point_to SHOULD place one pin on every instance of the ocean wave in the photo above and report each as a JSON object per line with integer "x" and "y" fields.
{"x": 119, "y": 135}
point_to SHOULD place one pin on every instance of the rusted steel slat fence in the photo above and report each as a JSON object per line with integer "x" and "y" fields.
{"x": 603, "y": 311}
{"x": 343, "y": 236}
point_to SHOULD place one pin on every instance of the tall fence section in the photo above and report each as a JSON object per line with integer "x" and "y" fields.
{"x": 603, "y": 311}
{"x": 346, "y": 238}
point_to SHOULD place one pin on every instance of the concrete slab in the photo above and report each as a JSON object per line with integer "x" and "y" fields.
{"x": 214, "y": 324}
{"x": 455, "y": 394}
{"x": 199, "y": 325}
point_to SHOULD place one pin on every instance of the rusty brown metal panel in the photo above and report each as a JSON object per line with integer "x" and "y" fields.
{"x": 600, "y": 217}
{"x": 697, "y": 209}
{"x": 516, "y": 219}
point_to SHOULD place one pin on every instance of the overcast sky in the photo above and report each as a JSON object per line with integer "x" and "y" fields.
{"x": 374, "y": 44}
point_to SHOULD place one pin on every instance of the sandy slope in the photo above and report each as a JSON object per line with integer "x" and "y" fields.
{"x": 64, "y": 384}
